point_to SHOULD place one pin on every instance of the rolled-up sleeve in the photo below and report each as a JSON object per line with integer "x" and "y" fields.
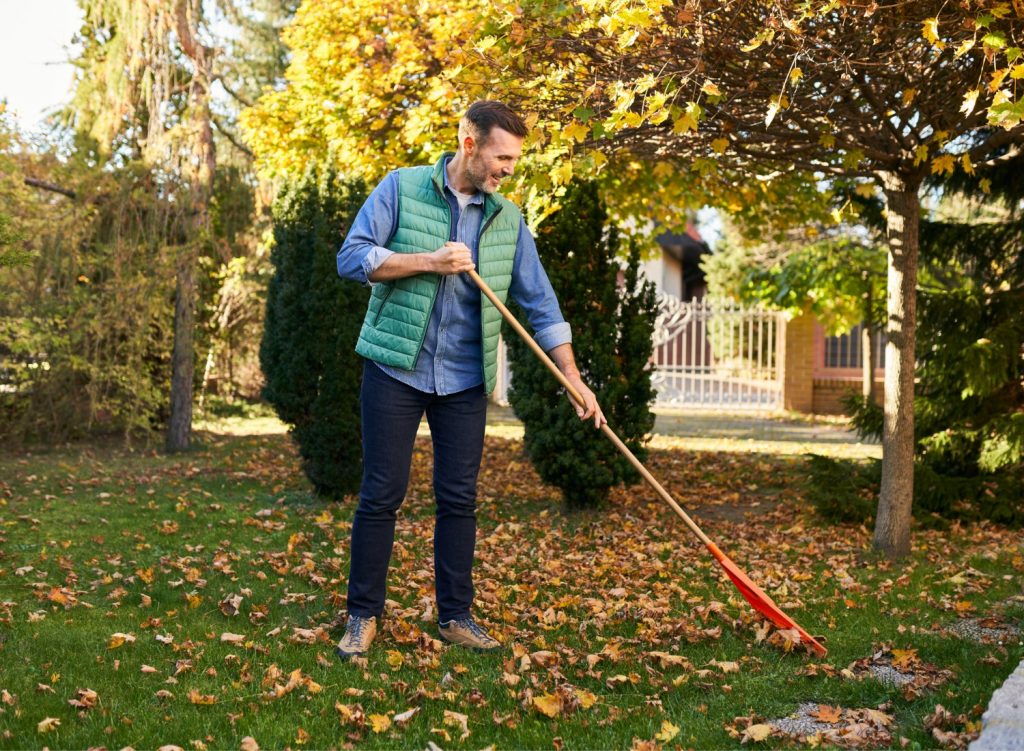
{"x": 363, "y": 250}
{"x": 532, "y": 290}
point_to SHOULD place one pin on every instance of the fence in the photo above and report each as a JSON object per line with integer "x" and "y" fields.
{"x": 708, "y": 354}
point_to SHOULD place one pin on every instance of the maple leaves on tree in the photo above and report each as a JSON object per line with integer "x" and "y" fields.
{"x": 366, "y": 86}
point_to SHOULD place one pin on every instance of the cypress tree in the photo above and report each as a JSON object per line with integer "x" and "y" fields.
{"x": 312, "y": 373}
{"x": 612, "y": 339}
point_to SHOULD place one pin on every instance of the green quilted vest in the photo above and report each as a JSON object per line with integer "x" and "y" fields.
{"x": 399, "y": 310}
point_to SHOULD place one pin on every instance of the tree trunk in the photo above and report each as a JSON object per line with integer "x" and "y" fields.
{"x": 892, "y": 525}
{"x": 202, "y": 166}
{"x": 867, "y": 349}
{"x": 179, "y": 427}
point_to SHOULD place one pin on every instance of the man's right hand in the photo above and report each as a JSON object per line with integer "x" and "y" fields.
{"x": 451, "y": 258}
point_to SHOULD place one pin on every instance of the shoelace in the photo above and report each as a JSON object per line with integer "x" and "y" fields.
{"x": 356, "y": 626}
{"x": 470, "y": 624}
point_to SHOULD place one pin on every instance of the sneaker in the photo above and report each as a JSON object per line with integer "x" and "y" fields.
{"x": 359, "y": 633}
{"x": 468, "y": 633}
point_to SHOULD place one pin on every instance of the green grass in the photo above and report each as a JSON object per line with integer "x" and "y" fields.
{"x": 148, "y": 545}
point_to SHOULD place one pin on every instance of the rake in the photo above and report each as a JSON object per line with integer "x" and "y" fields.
{"x": 752, "y": 593}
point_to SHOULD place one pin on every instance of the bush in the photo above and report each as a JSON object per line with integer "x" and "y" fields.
{"x": 612, "y": 340}
{"x": 312, "y": 372}
{"x": 847, "y": 491}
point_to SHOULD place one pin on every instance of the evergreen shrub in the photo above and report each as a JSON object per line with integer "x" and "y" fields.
{"x": 612, "y": 320}
{"x": 313, "y": 374}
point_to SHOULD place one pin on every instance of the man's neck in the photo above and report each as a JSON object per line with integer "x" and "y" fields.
{"x": 457, "y": 177}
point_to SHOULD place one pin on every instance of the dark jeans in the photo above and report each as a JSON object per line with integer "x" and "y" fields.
{"x": 391, "y": 412}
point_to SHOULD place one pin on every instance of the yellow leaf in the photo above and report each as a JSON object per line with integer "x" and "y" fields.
{"x": 964, "y": 48}
{"x": 756, "y": 733}
{"x": 562, "y": 174}
{"x": 668, "y": 732}
{"x": 865, "y": 190}
{"x": 197, "y": 698}
{"x": 773, "y": 109}
{"x": 930, "y": 31}
{"x": 795, "y": 75}
{"x": 548, "y": 705}
{"x": 119, "y": 639}
{"x": 907, "y": 95}
{"x": 920, "y": 154}
{"x": 827, "y": 140}
{"x": 942, "y": 164}
{"x": 485, "y": 44}
{"x": 586, "y": 698}
{"x": 985, "y": 184}
{"x": 47, "y": 725}
{"x": 965, "y": 162}
{"x": 395, "y": 658}
{"x": 837, "y": 216}
{"x": 711, "y": 89}
{"x": 1017, "y": 72}
{"x": 903, "y": 658}
{"x": 720, "y": 145}
{"x": 970, "y": 98}
{"x": 576, "y": 131}
{"x": 379, "y": 722}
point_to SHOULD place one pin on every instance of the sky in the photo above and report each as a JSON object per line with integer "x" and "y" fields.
{"x": 34, "y": 74}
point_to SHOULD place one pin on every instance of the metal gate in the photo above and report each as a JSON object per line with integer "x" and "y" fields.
{"x": 709, "y": 354}
{"x": 717, "y": 354}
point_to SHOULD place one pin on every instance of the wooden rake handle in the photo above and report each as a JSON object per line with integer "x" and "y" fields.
{"x": 622, "y": 447}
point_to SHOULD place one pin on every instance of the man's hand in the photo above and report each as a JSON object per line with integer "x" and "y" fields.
{"x": 451, "y": 258}
{"x": 591, "y": 408}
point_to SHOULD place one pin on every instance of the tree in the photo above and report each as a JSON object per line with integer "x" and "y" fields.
{"x": 612, "y": 338}
{"x": 144, "y": 84}
{"x": 849, "y": 89}
{"x": 971, "y": 395}
{"x": 313, "y": 374}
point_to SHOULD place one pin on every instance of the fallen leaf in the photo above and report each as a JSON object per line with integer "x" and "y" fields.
{"x": 47, "y": 725}
{"x": 119, "y": 639}
{"x": 85, "y": 698}
{"x": 668, "y": 732}
{"x": 229, "y": 638}
{"x": 458, "y": 720}
{"x": 403, "y": 718}
{"x": 379, "y": 722}
{"x": 197, "y": 698}
{"x": 756, "y": 733}
{"x": 828, "y": 714}
{"x": 249, "y": 744}
{"x": 548, "y": 705}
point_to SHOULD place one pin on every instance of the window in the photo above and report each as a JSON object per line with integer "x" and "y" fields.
{"x": 844, "y": 351}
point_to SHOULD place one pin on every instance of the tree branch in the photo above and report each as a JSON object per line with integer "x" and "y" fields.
{"x": 43, "y": 185}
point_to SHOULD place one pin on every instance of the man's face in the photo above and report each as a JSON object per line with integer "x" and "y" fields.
{"x": 491, "y": 163}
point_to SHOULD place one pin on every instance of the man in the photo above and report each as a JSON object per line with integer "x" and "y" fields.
{"x": 430, "y": 342}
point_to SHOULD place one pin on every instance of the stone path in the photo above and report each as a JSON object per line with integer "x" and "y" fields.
{"x": 1002, "y": 725}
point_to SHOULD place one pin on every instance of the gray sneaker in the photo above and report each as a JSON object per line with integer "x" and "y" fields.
{"x": 468, "y": 633}
{"x": 359, "y": 633}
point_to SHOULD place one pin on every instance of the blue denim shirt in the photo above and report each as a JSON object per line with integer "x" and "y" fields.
{"x": 450, "y": 360}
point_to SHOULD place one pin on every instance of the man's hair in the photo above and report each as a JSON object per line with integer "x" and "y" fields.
{"x": 484, "y": 115}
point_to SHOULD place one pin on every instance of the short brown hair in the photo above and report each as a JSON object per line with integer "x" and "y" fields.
{"x": 486, "y": 114}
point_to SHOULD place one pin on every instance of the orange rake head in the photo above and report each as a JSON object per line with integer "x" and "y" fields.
{"x": 761, "y": 602}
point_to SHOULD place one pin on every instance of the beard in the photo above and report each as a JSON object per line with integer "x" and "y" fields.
{"x": 481, "y": 178}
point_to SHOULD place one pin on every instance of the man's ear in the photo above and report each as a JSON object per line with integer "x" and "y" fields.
{"x": 468, "y": 145}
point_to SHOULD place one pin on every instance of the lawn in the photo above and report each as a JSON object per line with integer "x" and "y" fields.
{"x": 149, "y": 600}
